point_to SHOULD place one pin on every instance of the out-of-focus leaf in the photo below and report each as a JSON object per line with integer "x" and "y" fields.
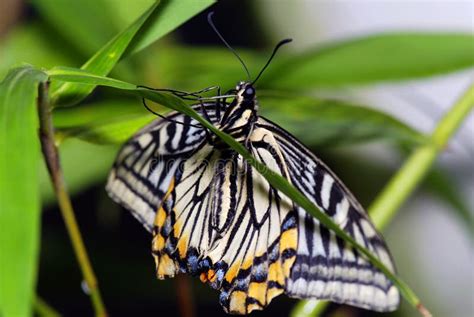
{"x": 441, "y": 185}
{"x": 319, "y": 122}
{"x": 19, "y": 196}
{"x": 33, "y": 44}
{"x": 86, "y": 24}
{"x": 83, "y": 165}
{"x": 191, "y": 69}
{"x": 99, "y": 112}
{"x": 169, "y": 16}
{"x": 375, "y": 58}
{"x": 112, "y": 132}
{"x": 101, "y": 63}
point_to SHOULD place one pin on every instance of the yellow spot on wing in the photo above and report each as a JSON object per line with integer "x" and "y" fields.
{"x": 158, "y": 243}
{"x": 160, "y": 217}
{"x": 183, "y": 246}
{"x": 258, "y": 291}
{"x": 237, "y": 302}
{"x": 253, "y": 306}
{"x": 166, "y": 266}
{"x": 232, "y": 272}
{"x": 289, "y": 239}
{"x": 275, "y": 273}
{"x": 273, "y": 292}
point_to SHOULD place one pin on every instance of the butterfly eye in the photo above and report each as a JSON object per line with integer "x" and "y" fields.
{"x": 249, "y": 92}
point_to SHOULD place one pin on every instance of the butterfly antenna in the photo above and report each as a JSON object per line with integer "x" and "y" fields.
{"x": 281, "y": 43}
{"x": 211, "y": 23}
{"x": 167, "y": 119}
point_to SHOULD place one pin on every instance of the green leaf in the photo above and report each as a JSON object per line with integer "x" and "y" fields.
{"x": 19, "y": 195}
{"x": 327, "y": 123}
{"x": 101, "y": 63}
{"x": 86, "y": 24}
{"x": 33, "y": 43}
{"x": 169, "y": 16}
{"x": 276, "y": 180}
{"x": 84, "y": 78}
{"x": 397, "y": 56}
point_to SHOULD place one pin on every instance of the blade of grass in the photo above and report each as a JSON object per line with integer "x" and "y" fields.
{"x": 276, "y": 180}
{"x": 169, "y": 16}
{"x": 19, "y": 194}
{"x": 403, "y": 183}
{"x": 381, "y": 57}
{"x": 101, "y": 63}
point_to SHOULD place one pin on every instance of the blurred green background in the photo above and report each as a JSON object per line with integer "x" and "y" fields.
{"x": 327, "y": 88}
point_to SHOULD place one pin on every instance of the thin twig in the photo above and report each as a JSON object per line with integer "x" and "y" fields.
{"x": 51, "y": 156}
{"x": 43, "y": 309}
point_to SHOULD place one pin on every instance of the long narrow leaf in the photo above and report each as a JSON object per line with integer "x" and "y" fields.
{"x": 101, "y": 63}
{"x": 375, "y": 58}
{"x": 169, "y": 16}
{"x": 273, "y": 178}
{"x": 19, "y": 194}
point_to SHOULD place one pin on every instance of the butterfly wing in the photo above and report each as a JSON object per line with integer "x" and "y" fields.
{"x": 222, "y": 221}
{"x": 145, "y": 165}
{"x": 326, "y": 267}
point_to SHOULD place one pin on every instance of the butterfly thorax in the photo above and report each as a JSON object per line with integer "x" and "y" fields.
{"x": 241, "y": 114}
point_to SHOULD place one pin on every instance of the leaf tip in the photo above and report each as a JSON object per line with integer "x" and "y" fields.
{"x": 423, "y": 311}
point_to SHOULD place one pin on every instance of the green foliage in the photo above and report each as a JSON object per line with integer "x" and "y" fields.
{"x": 20, "y": 201}
{"x": 111, "y": 117}
{"x": 373, "y": 59}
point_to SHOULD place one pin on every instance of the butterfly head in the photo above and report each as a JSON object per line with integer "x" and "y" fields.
{"x": 245, "y": 92}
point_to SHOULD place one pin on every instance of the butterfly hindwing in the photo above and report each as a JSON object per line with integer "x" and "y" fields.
{"x": 326, "y": 267}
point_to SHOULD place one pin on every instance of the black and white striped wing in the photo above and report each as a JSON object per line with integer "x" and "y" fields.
{"x": 145, "y": 165}
{"x": 326, "y": 267}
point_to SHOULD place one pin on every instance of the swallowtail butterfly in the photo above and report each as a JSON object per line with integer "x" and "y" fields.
{"x": 213, "y": 215}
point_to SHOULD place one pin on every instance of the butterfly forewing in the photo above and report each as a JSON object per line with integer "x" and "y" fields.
{"x": 146, "y": 164}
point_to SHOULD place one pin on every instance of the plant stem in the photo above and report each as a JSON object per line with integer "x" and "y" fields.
{"x": 405, "y": 181}
{"x": 43, "y": 309}
{"x": 399, "y": 188}
{"x": 51, "y": 156}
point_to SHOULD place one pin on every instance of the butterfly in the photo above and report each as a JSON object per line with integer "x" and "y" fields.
{"x": 212, "y": 215}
